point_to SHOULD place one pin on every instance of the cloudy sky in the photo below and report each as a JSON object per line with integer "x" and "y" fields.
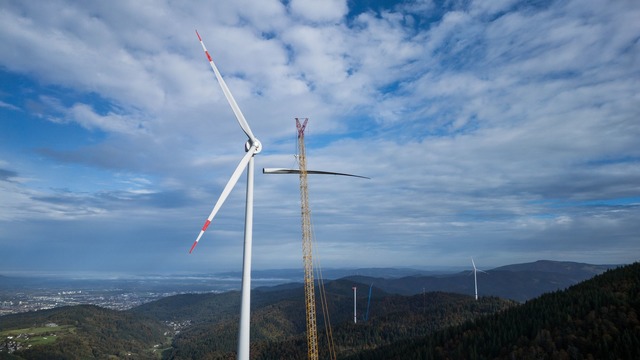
{"x": 506, "y": 131}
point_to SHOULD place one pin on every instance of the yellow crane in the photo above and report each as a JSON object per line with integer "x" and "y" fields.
{"x": 307, "y": 248}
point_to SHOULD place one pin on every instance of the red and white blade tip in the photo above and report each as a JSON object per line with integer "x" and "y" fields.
{"x": 204, "y": 228}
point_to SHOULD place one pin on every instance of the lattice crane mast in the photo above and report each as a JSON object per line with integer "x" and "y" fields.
{"x": 307, "y": 246}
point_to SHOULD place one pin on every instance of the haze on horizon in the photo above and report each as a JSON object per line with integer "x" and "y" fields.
{"x": 503, "y": 131}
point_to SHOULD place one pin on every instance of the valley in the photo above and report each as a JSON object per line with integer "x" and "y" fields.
{"x": 204, "y": 324}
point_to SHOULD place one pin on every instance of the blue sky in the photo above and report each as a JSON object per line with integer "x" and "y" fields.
{"x": 506, "y": 131}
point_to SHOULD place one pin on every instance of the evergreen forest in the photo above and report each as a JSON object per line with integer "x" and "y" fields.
{"x": 594, "y": 319}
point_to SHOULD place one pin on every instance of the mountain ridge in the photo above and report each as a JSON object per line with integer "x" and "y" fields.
{"x": 595, "y": 319}
{"x": 277, "y": 316}
{"x": 519, "y": 282}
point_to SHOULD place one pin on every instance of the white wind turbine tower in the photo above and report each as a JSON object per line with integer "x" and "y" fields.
{"x": 475, "y": 277}
{"x": 252, "y": 147}
{"x": 355, "y": 317}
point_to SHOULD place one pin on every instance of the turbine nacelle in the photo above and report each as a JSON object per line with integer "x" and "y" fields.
{"x": 253, "y": 143}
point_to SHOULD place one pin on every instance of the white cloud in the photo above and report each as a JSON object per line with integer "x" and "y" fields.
{"x": 484, "y": 127}
{"x": 319, "y": 11}
{"x": 84, "y": 115}
{"x": 8, "y": 106}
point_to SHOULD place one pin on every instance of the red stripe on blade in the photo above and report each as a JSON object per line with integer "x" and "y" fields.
{"x": 206, "y": 225}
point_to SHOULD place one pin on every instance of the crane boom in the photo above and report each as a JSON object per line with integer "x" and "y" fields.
{"x": 307, "y": 247}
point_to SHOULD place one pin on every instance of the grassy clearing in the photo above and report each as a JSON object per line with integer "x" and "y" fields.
{"x": 37, "y": 335}
{"x": 159, "y": 349}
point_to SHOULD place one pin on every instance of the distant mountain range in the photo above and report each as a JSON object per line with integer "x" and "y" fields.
{"x": 518, "y": 282}
{"x": 591, "y": 319}
{"x": 337, "y": 273}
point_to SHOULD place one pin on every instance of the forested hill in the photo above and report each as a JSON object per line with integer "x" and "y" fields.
{"x": 596, "y": 319}
{"x": 278, "y": 321}
{"x": 395, "y": 317}
{"x": 80, "y": 332}
{"x": 208, "y": 324}
{"x": 520, "y": 282}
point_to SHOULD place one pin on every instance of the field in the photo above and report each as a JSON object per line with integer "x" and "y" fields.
{"x": 36, "y": 335}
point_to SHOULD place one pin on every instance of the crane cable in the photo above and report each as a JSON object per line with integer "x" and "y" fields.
{"x": 323, "y": 298}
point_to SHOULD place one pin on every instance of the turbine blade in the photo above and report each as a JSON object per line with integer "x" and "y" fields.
{"x": 227, "y": 93}
{"x": 225, "y": 192}
{"x": 297, "y": 171}
{"x": 474, "y": 264}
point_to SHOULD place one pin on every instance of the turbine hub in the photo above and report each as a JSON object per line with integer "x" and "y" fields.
{"x": 256, "y": 143}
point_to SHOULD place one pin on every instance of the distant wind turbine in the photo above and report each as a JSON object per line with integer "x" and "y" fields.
{"x": 475, "y": 277}
{"x": 355, "y": 318}
{"x": 252, "y": 147}
{"x": 366, "y": 316}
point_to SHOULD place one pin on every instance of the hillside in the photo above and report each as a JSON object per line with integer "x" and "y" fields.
{"x": 581, "y": 271}
{"x": 520, "y": 282}
{"x": 396, "y": 317}
{"x": 80, "y": 332}
{"x": 596, "y": 319}
{"x": 278, "y": 321}
{"x": 207, "y": 324}
{"x": 400, "y": 310}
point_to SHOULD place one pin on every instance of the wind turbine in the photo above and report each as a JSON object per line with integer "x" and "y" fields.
{"x": 366, "y": 316}
{"x": 475, "y": 278}
{"x": 252, "y": 147}
{"x": 355, "y": 291}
